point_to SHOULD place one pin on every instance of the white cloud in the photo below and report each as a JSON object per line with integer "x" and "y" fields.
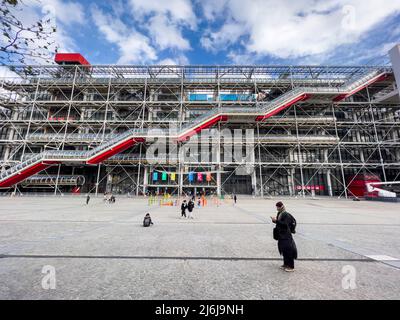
{"x": 68, "y": 13}
{"x": 167, "y": 62}
{"x": 227, "y": 35}
{"x": 65, "y": 12}
{"x": 166, "y": 33}
{"x": 165, "y": 21}
{"x": 241, "y": 58}
{"x": 133, "y": 46}
{"x": 180, "y": 11}
{"x": 154, "y": 26}
{"x": 213, "y": 10}
{"x": 293, "y": 29}
{"x": 136, "y": 49}
{"x": 178, "y": 60}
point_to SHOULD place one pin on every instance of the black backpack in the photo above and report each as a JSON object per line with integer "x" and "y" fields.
{"x": 146, "y": 222}
{"x": 292, "y": 224}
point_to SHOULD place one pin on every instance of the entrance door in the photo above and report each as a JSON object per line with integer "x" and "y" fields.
{"x": 238, "y": 184}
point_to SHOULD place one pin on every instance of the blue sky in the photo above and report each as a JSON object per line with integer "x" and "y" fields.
{"x": 226, "y": 31}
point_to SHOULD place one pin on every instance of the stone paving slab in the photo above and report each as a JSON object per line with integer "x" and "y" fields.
{"x": 177, "y": 279}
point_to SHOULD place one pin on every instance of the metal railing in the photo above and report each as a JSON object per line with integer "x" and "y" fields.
{"x": 40, "y": 180}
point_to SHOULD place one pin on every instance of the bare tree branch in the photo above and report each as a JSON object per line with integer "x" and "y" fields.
{"x": 18, "y": 41}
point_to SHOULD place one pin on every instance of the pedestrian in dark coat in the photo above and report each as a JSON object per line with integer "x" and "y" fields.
{"x": 87, "y": 199}
{"x": 286, "y": 245}
{"x": 234, "y": 198}
{"x": 190, "y": 207}
{"x": 183, "y": 208}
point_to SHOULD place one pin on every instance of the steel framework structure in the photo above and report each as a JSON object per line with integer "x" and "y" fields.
{"x": 314, "y": 128}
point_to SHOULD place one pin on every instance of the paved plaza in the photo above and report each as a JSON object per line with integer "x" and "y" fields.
{"x": 101, "y": 251}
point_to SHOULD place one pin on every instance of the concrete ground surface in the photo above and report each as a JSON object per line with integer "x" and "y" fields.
{"x": 101, "y": 251}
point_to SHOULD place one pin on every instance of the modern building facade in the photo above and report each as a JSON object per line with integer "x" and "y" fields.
{"x": 301, "y": 130}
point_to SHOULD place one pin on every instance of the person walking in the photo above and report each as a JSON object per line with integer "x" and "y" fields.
{"x": 285, "y": 226}
{"x": 183, "y": 209}
{"x": 234, "y": 198}
{"x": 190, "y": 207}
{"x": 87, "y": 199}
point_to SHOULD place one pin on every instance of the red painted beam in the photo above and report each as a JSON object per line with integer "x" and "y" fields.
{"x": 303, "y": 97}
{"x": 113, "y": 151}
{"x": 373, "y": 80}
{"x": 205, "y": 125}
{"x": 340, "y": 97}
{"x": 30, "y": 171}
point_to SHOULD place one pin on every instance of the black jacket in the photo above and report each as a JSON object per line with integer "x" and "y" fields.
{"x": 286, "y": 244}
{"x": 190, "y": 206}
{"x": 183, "y": 207}
{"x": 282, "y": 224}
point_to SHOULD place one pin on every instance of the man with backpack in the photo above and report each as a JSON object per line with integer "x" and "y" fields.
{"x": 285, "y": 226}
{"x": 147, "y": 220}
